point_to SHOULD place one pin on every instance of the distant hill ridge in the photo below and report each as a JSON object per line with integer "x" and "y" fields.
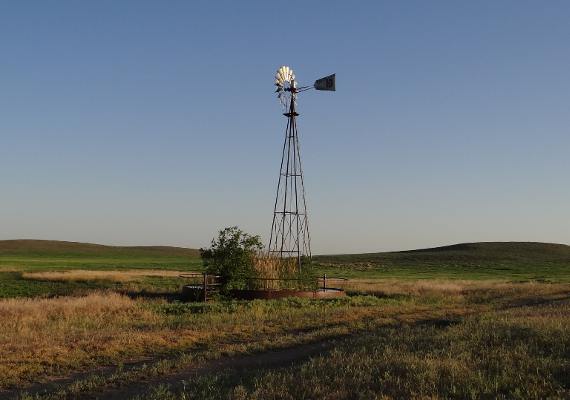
{"x": 465, "y": 252}
{"x": 499, "y": 246}
{"x": 531, "y": 250}
{"x": 59, "y": 247}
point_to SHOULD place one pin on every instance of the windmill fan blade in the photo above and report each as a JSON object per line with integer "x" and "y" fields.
{"x": 286, "y": 86}
{"x": 326, "y": 83}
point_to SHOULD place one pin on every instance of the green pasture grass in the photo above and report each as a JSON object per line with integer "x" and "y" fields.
{"x": 47, "y": 262}
{"x": 514, "y": 261}
{"x": 17, "y": 256}
{"x": 13, "y": 285}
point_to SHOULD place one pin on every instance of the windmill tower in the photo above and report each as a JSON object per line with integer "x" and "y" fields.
{"x": 290, "y": 237}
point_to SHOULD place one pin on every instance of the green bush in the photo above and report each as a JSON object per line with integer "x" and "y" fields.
{"x": 231, "y": 256}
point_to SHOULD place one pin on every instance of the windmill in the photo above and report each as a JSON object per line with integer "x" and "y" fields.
{"x": 290, "y": 237}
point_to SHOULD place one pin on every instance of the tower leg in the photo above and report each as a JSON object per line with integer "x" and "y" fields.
{"x": 290, "y": 228}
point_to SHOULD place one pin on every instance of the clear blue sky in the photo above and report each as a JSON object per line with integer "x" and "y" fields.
{"x": 155, "y": 122}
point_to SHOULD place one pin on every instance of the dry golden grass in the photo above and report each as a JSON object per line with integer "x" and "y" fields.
{"x": 470, "y": 293}
{"x": 38, "y": 334}
{"x": 10, "y": 268}
{"x": 390, "y": 287}
{"x": 273, "y": 268}
{"x": 43, "y": 337}
{"x": 87, "y": 275}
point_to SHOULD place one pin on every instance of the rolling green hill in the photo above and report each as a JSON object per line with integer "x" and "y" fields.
{"x": 51, "y": 254}
{"x": 484, "y": 260}
{"x": 462, "y": 252}
{"x": 28, "y": 247}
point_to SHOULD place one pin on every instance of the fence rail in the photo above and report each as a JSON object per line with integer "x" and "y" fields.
{"x": 211, "y": 284}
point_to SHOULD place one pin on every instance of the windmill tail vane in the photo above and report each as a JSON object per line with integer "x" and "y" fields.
{"x": 290, "y": 237}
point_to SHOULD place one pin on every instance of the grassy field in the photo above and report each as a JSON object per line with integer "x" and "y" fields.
{"x": 463, "y": 340}
{"x": 493, "y": 260}
{"x": 477, "y": 261}
{"x": 18, "y": 257}
{"x": 519, "y": 353}
{"x": 483, "y": 320}
{"x": 55, "y": 255}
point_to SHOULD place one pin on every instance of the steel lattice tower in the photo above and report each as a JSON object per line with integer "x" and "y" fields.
{"x": 290, "y": 228}
{"x": 290, "y": 236}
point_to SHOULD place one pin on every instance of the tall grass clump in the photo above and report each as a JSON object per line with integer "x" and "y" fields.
{"x": 273, "y": 273}
{"x": 270, "y": 270}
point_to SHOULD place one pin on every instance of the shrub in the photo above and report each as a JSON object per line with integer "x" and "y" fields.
{"x": 232, "y": 256}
